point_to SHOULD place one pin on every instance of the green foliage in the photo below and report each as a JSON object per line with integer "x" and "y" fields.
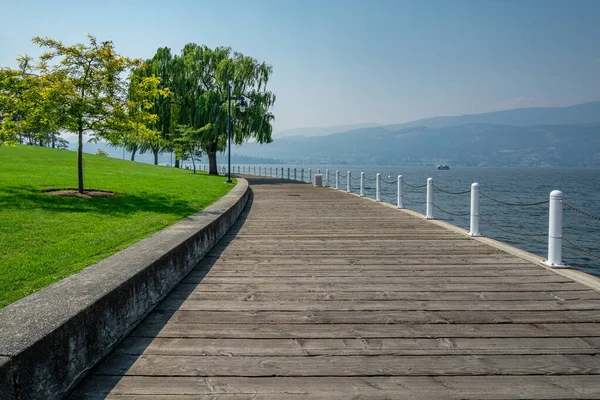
{"x": 102, "y": 153}
{"x": 84, "y": 89}
{"x": 198, "y": 80}
{"x": 46, "y": 238}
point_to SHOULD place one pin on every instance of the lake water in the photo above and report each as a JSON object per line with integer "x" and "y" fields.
{"x": 581, "y": 188}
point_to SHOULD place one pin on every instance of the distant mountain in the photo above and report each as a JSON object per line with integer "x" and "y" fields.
{"x": 321, "y": 131}
{"x": 465, "y": 145}
{"x": 586, "y": 113}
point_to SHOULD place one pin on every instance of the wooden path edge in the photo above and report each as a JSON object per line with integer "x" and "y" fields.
{"x": 50, "y": 340}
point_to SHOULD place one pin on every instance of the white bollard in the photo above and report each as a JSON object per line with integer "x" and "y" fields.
{"x": 555, "y": 226}
{"x": 429, "y": 208}
{"x": 348, "y": 180}
{"x": 318, "y": 180}
{"x": 362, "y": 184}
{"x": 310, "y": 174}
{"x": 337, "y": 179}
{"x": 294, "y": 173}
{"x": 327, "y": 177}
{"x": 378, "y": 187}
{"x": 474, "y": 230}
{"x": 400, "y": 203}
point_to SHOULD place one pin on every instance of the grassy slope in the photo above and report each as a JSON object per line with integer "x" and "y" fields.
{"x": 44, "y": 238}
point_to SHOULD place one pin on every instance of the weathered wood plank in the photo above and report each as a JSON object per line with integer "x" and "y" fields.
{"x": 425, "y": 387}
{"x": 182, "y": 325}
{"x": 186, "y": 291}
{"x": 384, "y": 306}
{"x": 456, "y": 365}
{"x": 378, "y": 317}
{"x": 355, "y": 347}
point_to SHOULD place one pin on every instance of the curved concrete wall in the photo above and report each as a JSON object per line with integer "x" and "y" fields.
{"x": 49, "y": 340}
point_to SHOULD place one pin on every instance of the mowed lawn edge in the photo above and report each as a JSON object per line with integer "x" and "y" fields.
{"x": 44, "y": 238}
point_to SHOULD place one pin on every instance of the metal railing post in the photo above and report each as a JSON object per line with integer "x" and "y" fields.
{"x": 555, "y": 226}
{"x": 327, "y": 177}
{"x": 294, "y": 173}
{"x": 429, "y": 207}
{"x": 378, "y": 187}
{"x": 348, "y": 180}
{"x": 400, "y": 202}
{"x": 362, "y": 184}
{"x": 302, "y": 174}
{"x": 288, "y": 173}
{"x": 474, "y": 230}
{"x": 310, "y": 174}
{"x": 337, "y": 179}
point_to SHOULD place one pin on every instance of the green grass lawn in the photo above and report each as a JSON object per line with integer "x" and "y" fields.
{"x": 44, "y": 238}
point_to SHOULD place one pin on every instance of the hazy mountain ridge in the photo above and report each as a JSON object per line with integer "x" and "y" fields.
{"x": 465, "y": 145}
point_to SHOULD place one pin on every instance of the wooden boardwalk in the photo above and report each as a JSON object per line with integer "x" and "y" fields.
{"x": 317, "y": 294}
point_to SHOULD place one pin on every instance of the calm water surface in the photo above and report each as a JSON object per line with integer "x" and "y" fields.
{"x": 580, "y": 187}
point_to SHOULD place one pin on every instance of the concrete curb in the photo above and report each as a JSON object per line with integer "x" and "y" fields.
{"x": 51, "y": 339}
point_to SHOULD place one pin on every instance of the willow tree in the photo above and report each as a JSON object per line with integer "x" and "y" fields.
{"x": 199, "y": 80}
{"x": 85, "y": 90}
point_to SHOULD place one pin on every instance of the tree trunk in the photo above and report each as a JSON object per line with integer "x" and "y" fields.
{"x": 194, "y": 165}
{"x": 211, "y": 152}
{"x": 80, "y": 160}
{"x": 54, "y": 140}
{"x": 176, "y": 162}
{"x": 155, "y": 151}
{"x": 133, "y": 154}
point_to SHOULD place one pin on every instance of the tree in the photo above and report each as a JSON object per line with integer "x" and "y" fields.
{"x": 188, "y": 146}
{"x": 198, "y": 80}
{"x": 102, "y": 153}
{"x": 84, "y": 89}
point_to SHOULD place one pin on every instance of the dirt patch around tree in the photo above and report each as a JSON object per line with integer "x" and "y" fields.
{"x": 87, "y": 194}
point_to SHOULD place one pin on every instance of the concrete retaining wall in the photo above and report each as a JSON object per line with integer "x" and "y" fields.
{"x": 49, "y": 340}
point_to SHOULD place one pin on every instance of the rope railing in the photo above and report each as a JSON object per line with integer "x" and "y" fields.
{"x": 577, "y": 210}
{"x": 508, "y": 230}
{"x": 580, "y": 248}
{"x": 537, "y": 203}
{"x": 451, "y": 213}
{"x": 449, "y": 192}
{"x": 410, "y": 185}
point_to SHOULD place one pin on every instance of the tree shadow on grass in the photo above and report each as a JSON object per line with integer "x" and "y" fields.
{"x": 28, "y": 198}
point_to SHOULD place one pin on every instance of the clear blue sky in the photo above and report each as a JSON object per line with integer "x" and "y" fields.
{"x": 346, "y": 62}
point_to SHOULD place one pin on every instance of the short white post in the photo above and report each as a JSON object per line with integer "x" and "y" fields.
{"x": 348, "y": 180}
{"x": 310, "y": 174}
{"x": 288, "y": 173}
{"x": 327, "y": 177}
{"x": 429, "y": 207}
{"x": 337, "y": 179}
{"x": 474, "y": 231}
{"x": 362, "y": 184}
{"x": 400, "y": 193}
{"x": 555, "y": 226}
{"x": 294, "y": 173}
{"x": 378, "y": 187}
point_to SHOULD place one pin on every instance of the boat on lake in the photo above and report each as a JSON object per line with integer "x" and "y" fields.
{"x": 443, "y": 167}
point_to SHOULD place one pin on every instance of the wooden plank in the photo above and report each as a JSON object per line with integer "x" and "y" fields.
{"x": 473, "y": 365}
{"x": 364, "y": 280}
{"x": 355, "y": 347}
{"x": 377, "y": 317}
{"x": 186, "y": 291}
{"x": 384, "y": 306}
{"x": 425, "y": 387}
{"x": 182, "y": 325}
{"x": 490, "y": 286}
